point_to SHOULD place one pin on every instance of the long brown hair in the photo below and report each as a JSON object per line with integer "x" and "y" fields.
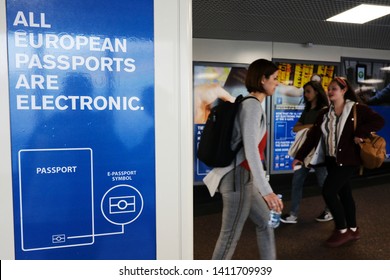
{"x": 344, "y": 83}
{"x": 322, "y": 98}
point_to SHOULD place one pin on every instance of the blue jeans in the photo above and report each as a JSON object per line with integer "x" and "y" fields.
{"x": 238, "y": 205}
{"x": 298, "y": 181}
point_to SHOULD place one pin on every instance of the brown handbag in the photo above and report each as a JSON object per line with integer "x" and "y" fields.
{"x": 372, "y": 149}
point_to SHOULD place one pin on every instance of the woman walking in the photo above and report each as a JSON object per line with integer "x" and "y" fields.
{"x": 243, "y": 185}
{"x": 315, "y": 100}
{"x": 336, "y": 141}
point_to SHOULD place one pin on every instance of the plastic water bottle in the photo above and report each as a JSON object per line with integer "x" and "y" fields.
{"x": 274, "y": 216}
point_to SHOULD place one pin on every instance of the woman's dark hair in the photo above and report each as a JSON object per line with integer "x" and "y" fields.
{"x": 344, "y": 83}
{"x": 257, "y": 69}
{"x": 322, "y": 98}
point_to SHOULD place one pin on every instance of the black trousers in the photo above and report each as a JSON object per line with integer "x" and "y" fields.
{"x": 337, "y": 193}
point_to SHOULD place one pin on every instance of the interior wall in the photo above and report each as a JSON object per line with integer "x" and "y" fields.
{"x": 248, "y": 51}
{"x": 173, "y": 64}
{"x": 6, "y": 207}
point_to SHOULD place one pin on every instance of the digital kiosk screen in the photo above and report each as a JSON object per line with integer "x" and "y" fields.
{"x": 213, "y": 83}
{"x": 288, "y": 104}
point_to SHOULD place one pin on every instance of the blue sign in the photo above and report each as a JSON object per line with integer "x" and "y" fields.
{"x": 81, "y": 76}
{"x": 200, "y": 168}
{"x": 285, "y": 117}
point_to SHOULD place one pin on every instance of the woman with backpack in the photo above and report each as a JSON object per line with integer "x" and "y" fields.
{"x": 243, "y": 185}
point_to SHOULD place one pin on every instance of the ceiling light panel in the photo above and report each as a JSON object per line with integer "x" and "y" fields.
{"x": 361, "y": 14}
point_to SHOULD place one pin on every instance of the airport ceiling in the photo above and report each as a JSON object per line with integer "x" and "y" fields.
{"x": 288, "y": 21}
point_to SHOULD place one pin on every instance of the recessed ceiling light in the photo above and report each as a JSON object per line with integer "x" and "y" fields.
{"x": 385, "y": 68}
{"x": 361, "y": 14}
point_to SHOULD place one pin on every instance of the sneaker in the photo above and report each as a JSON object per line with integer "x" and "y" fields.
{"x": 338, "y": 239}
{"x": 325, "y": 216}
{"x": 289, "y": 219}
{"x": 355, "y": 234}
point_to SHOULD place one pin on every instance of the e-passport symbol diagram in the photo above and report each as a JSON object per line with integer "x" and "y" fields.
{"x": 57, "y": 204}
{"x": 122, "y": 204}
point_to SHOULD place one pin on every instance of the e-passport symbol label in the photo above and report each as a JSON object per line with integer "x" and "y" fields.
{"x": 122, "y": 204}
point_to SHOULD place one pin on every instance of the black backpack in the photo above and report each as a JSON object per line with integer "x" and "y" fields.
{"x": 215, "y": 142}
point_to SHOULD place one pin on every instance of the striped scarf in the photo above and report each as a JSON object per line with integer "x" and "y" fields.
{"x": 330, "y": 128}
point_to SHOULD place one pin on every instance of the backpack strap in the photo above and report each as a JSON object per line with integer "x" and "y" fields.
{"x": 249, "y": 97}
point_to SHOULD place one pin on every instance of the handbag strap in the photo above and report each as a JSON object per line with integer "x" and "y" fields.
{"x": 354, "y": 129}
{"x": 354, "y": 117}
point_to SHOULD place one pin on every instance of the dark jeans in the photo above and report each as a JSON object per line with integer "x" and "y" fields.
{"x": 337, "y": 194}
